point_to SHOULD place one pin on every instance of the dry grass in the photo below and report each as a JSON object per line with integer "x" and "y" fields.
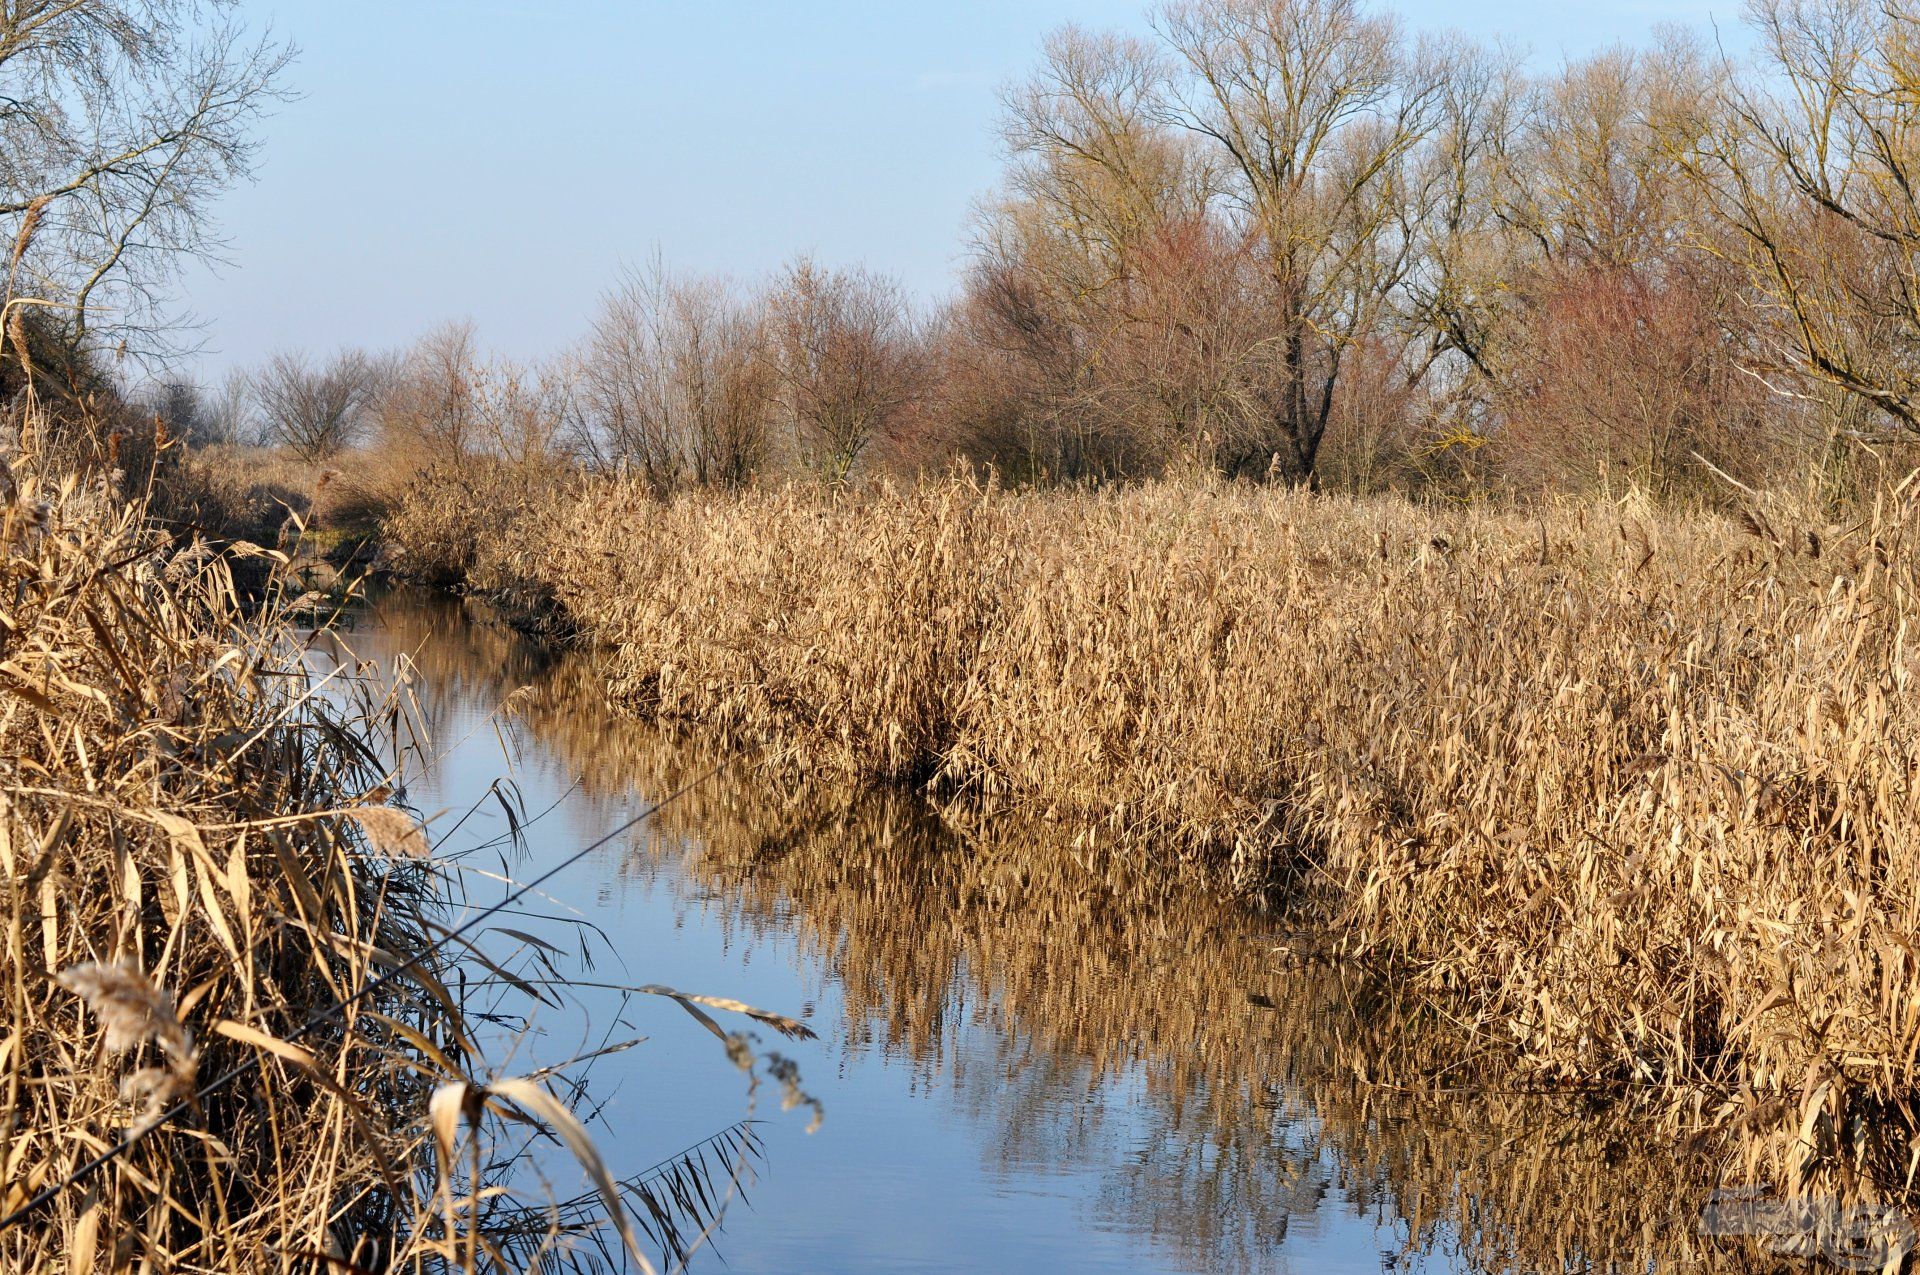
{"x": 198, "y": 878}
{"x": 250, "y": 493}
{"x": 437, "y": 531}
{"x": 1632, "y": 791}
{"x": 162, "y": 749}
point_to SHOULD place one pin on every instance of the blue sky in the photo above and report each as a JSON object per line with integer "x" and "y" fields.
{"x": 499, "y": 159}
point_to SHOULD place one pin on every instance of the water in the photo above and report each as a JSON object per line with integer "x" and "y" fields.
{"x": 1026, "y": 1061}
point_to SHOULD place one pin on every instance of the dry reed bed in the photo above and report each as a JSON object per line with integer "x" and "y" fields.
{"x": 227, "y": 960}
{"x": 162, "y": 754}
{"x": 207, "y": 903}
{"x": 1097, "y": 968}
{"x": 1634, "y": 790}
{"x": 210, "y": 903}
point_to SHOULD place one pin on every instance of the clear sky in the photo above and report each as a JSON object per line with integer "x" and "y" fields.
{"x": 498, "y": 159}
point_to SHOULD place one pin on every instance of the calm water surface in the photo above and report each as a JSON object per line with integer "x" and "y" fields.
{"x": 1027, "y": 1063}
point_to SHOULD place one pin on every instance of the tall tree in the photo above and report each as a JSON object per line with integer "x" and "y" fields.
{"x": 1314, "y": 108}
{"x": 1818, "y": 176}
{"x": 1225, "y": 213}
{"x": 672, "y": 382}
{"x": 431, "y": 404}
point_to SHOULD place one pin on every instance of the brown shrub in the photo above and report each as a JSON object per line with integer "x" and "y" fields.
{"x": 1624, "y": 380}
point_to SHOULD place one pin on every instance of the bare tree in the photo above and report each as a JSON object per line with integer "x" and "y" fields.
{"x": 1570, "y": 302}
{"x": 1010, "y": 384}
{"x": 122, "y": 120}
{"x": 1080, "y": 288}
{"x": 317, "y": 410}
{"x": 430, "y": 405}
{"x": 1815, "y": 168}
{"x": 1091, "y": 147}
{"x": 1203, "y": 236}
{"x": 1314, "y": 108}
{"x": 229, "y": 415}
{"x": 178, "y": 406}
{"x": 846, "y": 359}
{"x": 524, "y": 413}
{"x": 1459, "y": 296}
{"x": 1219, "y": 218}
{"x": 672, "y": 383}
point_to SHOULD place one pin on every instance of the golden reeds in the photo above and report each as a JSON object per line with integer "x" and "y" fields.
{"x": 160, "y": 747}
{"x": 192, "y": 844}
{"x": 1632, "y": 791}
{"x": 1102, "y": 971}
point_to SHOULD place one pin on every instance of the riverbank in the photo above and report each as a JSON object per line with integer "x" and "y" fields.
{"x": 172, "y": 878}
{"x": 236, "y": 1037}
{"x": 1629, "y": 790}
{"x": 1030, "y": 1052}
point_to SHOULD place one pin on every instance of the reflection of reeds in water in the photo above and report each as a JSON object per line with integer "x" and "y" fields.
{"x": 1264, "y": 1092}
{"x": 1247, "y": 1071}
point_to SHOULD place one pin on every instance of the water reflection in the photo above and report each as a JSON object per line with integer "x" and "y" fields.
{"x": 1145, "y": 1071}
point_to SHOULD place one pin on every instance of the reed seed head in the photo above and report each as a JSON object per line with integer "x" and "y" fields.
{"x": 130, "y": 1008}
{"x": 391, "y": 832}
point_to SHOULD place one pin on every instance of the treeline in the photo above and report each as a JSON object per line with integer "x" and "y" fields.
{"x": 684, "y": 380}
{"x": 1289, "y": 240}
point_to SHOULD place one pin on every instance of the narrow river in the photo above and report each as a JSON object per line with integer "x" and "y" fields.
{"x": 1026, "y": 1062}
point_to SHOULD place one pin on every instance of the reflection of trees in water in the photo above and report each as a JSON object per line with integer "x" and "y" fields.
{"x": 1139, "y": 1027}
{"x": 468, "y": 667}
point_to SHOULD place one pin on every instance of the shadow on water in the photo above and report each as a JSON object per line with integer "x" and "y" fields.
{"x": 1135, "y": 1075}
